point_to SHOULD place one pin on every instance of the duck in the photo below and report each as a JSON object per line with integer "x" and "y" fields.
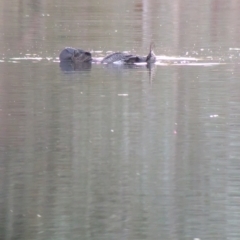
{"x": 78, "y": 56}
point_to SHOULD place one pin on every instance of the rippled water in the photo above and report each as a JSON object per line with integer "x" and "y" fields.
{"x": 118, "y": 152}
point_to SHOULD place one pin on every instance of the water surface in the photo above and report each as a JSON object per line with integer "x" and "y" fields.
{"x": 113, "y": 152}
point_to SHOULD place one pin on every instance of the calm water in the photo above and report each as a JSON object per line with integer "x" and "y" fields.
{"x": 118, "y": 153}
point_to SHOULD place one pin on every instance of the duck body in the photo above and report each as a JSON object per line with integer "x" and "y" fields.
{"x": 126, "y": 58}
{"x": 115, "y": 57}
{"x": 134, "y": 59}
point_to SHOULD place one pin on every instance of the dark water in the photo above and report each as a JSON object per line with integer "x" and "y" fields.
{"x": 120, "y": 153}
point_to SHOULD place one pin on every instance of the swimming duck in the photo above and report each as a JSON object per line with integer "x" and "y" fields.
{"x": 78, "y": 56}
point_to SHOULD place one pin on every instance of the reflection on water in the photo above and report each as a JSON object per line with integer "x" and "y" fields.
{"x": 67, "y": 66}
{"x": 119, "y": 152}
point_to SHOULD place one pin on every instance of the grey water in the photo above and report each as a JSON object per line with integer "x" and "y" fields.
{"x": 114, "y": 152}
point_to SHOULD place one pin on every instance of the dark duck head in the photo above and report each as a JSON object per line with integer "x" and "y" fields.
{"x": 151, "y": 57}
{"x": 80, "y": 56}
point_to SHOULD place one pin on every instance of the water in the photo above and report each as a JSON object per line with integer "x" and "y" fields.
{"x": 112, "y": 152}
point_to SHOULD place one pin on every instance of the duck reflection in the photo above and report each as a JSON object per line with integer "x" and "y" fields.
{"x": 68, "y": 66}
